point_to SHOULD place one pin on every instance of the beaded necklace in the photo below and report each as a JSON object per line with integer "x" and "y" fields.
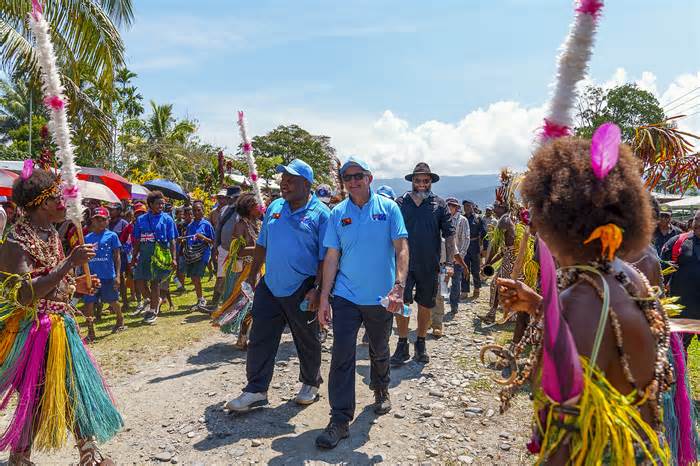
{"x": 46, "y": 254}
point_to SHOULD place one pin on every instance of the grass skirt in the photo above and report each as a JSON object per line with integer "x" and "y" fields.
{"x": 236, "y": 304}
{"x": 58, "y": 383}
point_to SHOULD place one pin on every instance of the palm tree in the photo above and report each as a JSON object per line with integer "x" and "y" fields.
{"x": 86, "y": 38}
{"x": 160, "y": 143}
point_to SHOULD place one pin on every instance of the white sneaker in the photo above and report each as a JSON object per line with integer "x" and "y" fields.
{"x": 307, "y": 395}
{"x": 247, "y": 401}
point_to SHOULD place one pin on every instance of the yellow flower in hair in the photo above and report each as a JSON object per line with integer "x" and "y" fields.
{"x": 610, "y": 237}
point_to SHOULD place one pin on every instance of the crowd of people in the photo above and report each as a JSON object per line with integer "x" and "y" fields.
{"x": 316, "y": 262}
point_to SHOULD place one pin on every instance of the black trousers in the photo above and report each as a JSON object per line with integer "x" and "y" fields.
{"x": 347, "y": 318}
{"x": 473, "y": 260}
{"x": 270, "y": 314}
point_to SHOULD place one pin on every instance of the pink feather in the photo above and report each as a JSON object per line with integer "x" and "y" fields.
{"x": 70, "y": 192}
{"x": 552, "y": 130}
{"x": 37, "y": 9}
{"x": 247, "y": 147}
{"x": 605, "y": 149}
{"x": 241, "y": 115}
{"x": 686, "y": 448}
{"x": 54, "y": 102}
{"x": 590, "y": 7}
{"x": 254, "y": 177}
{"x": 27, "y": 169}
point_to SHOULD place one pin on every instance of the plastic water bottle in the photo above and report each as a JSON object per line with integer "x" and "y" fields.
{"x": 444, "y": 288}
{"x": 385, "y": 302}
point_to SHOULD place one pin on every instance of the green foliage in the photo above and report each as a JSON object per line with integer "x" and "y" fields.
{"x": 20, "y": 137}
{"x": 89, "y": 50}
{"x": 627, "y": 106}
{"x": 286, "y": 143}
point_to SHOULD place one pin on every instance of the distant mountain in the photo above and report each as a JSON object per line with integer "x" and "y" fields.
{"x": 477, "y": 188}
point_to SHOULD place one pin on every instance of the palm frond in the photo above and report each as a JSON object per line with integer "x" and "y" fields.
{"x": 667, "y": 156}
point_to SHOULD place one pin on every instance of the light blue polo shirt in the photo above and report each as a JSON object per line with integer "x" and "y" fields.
{"x": 364, "y": 236}
{"x": 294, "y": 244}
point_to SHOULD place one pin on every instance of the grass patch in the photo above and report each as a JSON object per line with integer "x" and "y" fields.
{"x": 694, "y": 366}
{"x": 124, "y": 353}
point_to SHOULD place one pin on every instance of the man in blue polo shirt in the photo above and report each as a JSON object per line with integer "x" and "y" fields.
{"x": 290, "y": 246}
{"x": 367, "y": 259}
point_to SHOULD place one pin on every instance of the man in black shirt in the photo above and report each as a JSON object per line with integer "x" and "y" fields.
{"x": 477, "y": 234}
{"x": 427, "y": 218}
{"x": 664, "y": 231}
{"x": 684, "y": 251}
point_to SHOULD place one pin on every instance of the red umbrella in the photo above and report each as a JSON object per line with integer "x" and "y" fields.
{"x": 118, "y": 184}
{"x": 7, "y": 178}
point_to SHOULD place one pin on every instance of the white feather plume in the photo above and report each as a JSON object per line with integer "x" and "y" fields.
{"x": 248, "y": 151}
{"x": 58, "y": 120}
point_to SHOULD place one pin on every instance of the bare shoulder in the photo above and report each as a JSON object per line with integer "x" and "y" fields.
{"x": 13, "y": 259}
{"x": 581, "y": 308}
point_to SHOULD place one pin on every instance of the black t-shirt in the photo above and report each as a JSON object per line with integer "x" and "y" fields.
{"x": 660, "y": 239}
{"x": 425, "y": 225}
{"x": 685, "y": 282}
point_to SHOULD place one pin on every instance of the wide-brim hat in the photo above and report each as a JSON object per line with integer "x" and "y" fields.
{"x": 422, "y": 169}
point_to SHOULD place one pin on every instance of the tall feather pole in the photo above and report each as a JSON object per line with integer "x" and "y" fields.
{"x": 248, "y": 152}
{"x": 572, "y": 65}
{"x": 56, "y": 104}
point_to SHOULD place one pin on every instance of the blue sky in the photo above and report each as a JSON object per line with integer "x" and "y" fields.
{"x": 396, "y": 81}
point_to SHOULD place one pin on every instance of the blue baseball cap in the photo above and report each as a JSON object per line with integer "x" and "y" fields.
{"x": 324, "y": 193}
{"x": 297, "y": 168}
{"x": 354, "y": 162}
{"x": 387, "y": 192}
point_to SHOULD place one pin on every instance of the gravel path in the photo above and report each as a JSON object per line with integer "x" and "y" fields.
{"x": 445, "y": 412}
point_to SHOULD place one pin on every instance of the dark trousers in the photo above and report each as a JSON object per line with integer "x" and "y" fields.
{"x": 456, "y": 288}
{"x": 473, "y": 261}
{"x": 347, "y": 318}
{"x": 270, "y": 314}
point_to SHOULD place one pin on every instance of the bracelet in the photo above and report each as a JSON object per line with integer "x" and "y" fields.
{"x": 398, "y": 283}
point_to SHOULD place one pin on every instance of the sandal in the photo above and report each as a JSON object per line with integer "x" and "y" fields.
{"x": 90, "y": 455}
{"x": 118, "y": 328}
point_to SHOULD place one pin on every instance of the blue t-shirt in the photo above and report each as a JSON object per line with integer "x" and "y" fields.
{"x": 364, "y": 236}
{"x": 149, "y": 228}
{"x": 102, "y": 265}
{"x": 204, "y": 227}
{"x": 294, "y": 244}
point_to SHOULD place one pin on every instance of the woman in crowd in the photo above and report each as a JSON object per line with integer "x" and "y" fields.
{"x": 42, "y": 357}
{"x": 197, "y": 251}
{"x": 233, "y": 316}
{"x": 622, "y": 351}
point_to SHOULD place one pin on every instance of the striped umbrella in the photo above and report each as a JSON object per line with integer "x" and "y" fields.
{"x": 117, "y": 183}
{"x": 7, "y": 178}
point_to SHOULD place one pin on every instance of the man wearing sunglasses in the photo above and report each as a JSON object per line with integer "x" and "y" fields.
{"x": 367, "y": 258}
{"x": 427, "y": 218}
{"x": 290, "y": 245}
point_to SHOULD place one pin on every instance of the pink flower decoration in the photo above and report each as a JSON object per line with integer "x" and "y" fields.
{"x": 37, "y": 9}
{"x": 247, "y": 147}
{"x": 70, "y": 192}
{"x": 590, "y": 7}
{"x": 605, "y": 149}
{"x": 552, "y": 130}
{"x": 262, "y": 209}
{"x": 254, "y": 177}
{"x": 27, "y": 169}
{"x": 241, "y": 115}
{"x": 54, "y": 102}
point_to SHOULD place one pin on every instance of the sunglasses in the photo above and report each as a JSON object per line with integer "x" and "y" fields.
{"x": 354, "y": 176}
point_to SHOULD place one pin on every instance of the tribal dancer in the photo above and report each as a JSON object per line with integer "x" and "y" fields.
{"x": 233, "y": 316}
{"x": 602, "y": 374}
{"x": 502, "y": 245}
{"x": 42, "y": 358}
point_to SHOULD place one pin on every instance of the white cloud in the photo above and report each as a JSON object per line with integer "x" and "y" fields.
{"x": 483, "y": 141}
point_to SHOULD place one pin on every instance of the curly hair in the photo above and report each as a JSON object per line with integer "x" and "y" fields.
{"x": 153, "y": 196}
{"x": 25, "y": 191}
{"x": 568, "y": 202}
{"x": 245, "y": 204}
